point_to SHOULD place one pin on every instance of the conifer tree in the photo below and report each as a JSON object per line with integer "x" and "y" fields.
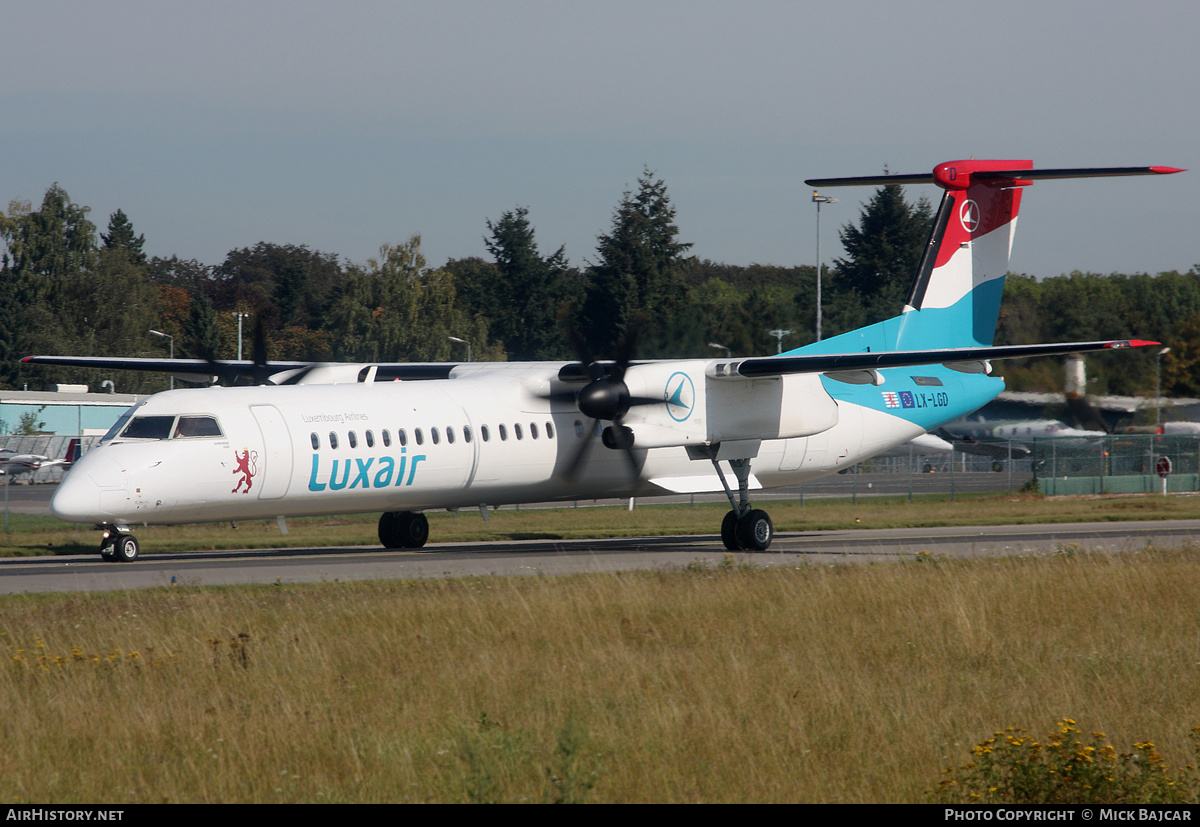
{"x": 883, "y": 253}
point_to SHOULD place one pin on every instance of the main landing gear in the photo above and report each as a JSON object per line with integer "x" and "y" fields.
{"x": 744, "y": 528}
{"x": 403, "y": 529}
{"x": 117, "y": 547}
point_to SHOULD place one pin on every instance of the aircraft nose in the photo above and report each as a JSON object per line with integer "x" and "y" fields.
{"x": 77, "y": 500}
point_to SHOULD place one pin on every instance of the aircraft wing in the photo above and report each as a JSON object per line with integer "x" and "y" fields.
{"x": 233, "y": 368}
{"x": 968, "y": 359}
{"x": 994, "y": 448}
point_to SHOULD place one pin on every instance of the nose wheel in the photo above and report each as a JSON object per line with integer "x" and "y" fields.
{"x": 119, "y": 548}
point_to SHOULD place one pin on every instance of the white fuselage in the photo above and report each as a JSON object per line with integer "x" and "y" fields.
{"x": 486, "y": 437}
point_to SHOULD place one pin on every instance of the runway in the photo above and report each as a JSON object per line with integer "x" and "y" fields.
{"x": 86, "y": 573}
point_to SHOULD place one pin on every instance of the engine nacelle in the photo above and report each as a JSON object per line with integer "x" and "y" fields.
{"x": 699, "y": 409}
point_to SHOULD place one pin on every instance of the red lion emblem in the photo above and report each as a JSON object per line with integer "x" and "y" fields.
{"x": 247, "y": 466}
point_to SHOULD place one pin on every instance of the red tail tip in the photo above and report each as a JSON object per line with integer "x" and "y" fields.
{"x": 1166, "y": 170}
{"x": 1133, "y": 343}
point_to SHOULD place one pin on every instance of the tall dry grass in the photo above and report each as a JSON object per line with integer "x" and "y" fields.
{"x": 847, "y": 683}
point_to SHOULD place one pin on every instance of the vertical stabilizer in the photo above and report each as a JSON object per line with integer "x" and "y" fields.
{"x": 955, "y": 297}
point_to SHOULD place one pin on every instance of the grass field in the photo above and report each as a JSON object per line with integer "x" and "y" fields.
{"x": 724, "y": 683}
{"x": 33, "y": 535}
{"x": 812, "y": 684}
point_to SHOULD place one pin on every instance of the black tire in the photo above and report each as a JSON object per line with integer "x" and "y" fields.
{"x": 755, "y": 531}
{"x": 125, "y": 548}
{"x": 389, "y": 531}
{"x": 106, "y": 552}
{"x": 729, "y": 532}
{"x": 414, "y": 529}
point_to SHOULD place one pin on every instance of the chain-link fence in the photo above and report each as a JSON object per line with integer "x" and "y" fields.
{"x": 52, "y": 447}
{"x": 1116, "y": 464}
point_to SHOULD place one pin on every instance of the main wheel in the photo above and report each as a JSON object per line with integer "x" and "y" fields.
{"x": 389, "y": 531}
{"x": 729, "y": 531}
{"x": 125, "y": 548}
{"x": 414, "y": 529}
{"x": 755, "y": 530}
{"x": 107, "y": 553}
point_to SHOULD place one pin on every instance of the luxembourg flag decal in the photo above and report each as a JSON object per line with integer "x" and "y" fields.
{"x": 891, "y": 399}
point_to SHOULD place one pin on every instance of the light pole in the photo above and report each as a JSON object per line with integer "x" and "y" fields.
{"x": 819, "y": 200}
{"x": 728, "y": 352}
{"x": 162, "y": 335}
{"x": 462, "y": 342}
{"x": 1158, "y": 386}
{"x": 779, "y": 334}
{"x": 240, "y": 316}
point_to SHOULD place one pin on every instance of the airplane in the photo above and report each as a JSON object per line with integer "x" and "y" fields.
{"x": 13, "y": 464}
{"x": 404, "y": 438}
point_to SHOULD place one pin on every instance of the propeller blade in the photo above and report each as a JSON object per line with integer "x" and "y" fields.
{"x": 571, "y": 472}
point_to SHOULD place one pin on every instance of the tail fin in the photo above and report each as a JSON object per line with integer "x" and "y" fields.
{"x": 73, "y": 452}
{"x": 955, "y": 297}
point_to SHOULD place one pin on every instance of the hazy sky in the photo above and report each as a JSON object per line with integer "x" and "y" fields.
{"x": 344, "y": 126}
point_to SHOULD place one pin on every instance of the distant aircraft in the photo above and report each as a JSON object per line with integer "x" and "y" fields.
{"x": 13, "y": 464}
{"x": 314, "y": 439}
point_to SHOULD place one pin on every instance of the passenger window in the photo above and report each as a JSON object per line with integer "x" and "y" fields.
{"x": 503, "y": 433}
{"x": 483, "y": 431}
{"x": 420, "y": 437}
{"x": 578, "y": 429}
{"x": 370, "y": 439}
{"x": 353, "y": 439}
{"x": 333, "y": 440}
{"x": 549, "y": 430}
{"x": 316, "y": 441}
{"x": 196, "y": 426}
{"x": 387, "y": 439}
{"x": 533, "y": 429}
{"x": 402, "y": 435}
{"x": 466, "y": 433}
{"x": 517, "y": 431}
{"x": 449, "y": 434}
{"x": 434, "y": 433}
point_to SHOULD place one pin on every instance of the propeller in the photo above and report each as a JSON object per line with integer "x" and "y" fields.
{"x": 261, "y": 370}
{"x": 605, "y": 397}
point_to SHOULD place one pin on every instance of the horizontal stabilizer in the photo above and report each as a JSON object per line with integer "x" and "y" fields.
{"x": 821, "y": 363}
{"x": 994, "y": 174}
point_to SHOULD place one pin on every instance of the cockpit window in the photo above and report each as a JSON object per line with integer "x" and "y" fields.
{"x": 197, "y": 426}
{"x": 117, "y": 426}
{"x": 148, "y": 427}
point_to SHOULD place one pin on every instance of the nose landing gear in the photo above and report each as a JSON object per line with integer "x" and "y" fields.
{"x": 117, "y": 547}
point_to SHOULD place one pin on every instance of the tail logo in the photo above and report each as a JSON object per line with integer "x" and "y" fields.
{"x": 968, "y": 215}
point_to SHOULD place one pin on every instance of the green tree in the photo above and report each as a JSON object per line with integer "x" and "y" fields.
{"x": 203, "y": 332}
{"x": 51, "y": 241}
{"x": 636, "y": 273}
{"x": 120, "y": 237}
{"x": 45, "y": 253}
{"x": 527, "y": 292}
{"x": 882, "y": 253}
{"x": 396, "y": 309}
{"x": 292, "y": 285}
